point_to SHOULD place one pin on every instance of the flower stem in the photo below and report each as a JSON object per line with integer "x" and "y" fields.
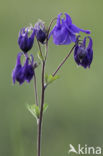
{"x": 39, "y": 123}
{"x": 51, "y": 25}
{"x": 64, "y": 60}
{"x": 35, "y": 88}
{"x": 39, "y": 47}
{"x": 41, "y": 111}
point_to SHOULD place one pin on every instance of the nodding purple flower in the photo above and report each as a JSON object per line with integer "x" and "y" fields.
{"x": 17, "y": 74}
{"x": 40, "y": 31}
{"x": 84, "y": 55}
{"x": 21, "y": 73}
{"x": 64, "y": 32}
{"x": 24, "y": 40}
{"x": 28, "y": 69}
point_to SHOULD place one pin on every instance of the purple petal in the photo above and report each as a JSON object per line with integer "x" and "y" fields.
{"x": 85, "y": 31}
{"x": 68, "y": 19}
{"x": 18, "y": 61}
{"x": 28, "y": 70}
{"x": 59, "y": 36}
{"x": 58, "y": 20}
{"x": 33, "y": 34}
{"x": 17, "y": 74}
{"x": 74, "y": 28}
{"x": 90, "y": 43}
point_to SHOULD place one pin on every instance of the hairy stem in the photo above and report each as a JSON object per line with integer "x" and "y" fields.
{"x": 64, "y": 60}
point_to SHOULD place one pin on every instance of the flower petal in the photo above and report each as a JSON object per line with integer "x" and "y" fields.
{"x": 68, "y": 19}
{"x": 28, "y": 70}
{"x": 58, "y": 20}
{"x": 90, "y": 43}
{"x": 17, "y": 74}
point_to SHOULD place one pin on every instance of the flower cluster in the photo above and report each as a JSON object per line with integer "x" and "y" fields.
{"x": 63, "y": 33}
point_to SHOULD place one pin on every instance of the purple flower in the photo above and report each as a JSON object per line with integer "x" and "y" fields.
{"x": 21, "y": 73}
{"x": 28, "y": 69}
{"x": 64, "y": 32}
{"x": 24, "y": 40}
{"x": 17, "y": 74}
{"x": 83, "y": 55}
{"x": 40, "y": 31}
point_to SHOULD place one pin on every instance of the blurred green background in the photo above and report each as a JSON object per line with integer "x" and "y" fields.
{"x": 75, "y": 113}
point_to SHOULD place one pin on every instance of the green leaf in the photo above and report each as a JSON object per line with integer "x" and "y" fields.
{"x": 40, "y": 56}
{"x": 34, "y": 110}
{"x": 45, "y": 107}
{"x": 50, "y": 78}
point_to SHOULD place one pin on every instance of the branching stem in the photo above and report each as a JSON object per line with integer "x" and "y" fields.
{"x": 42, "y": 102}
{"x": 64, "y": 60}
{"x": 39, "y": 123}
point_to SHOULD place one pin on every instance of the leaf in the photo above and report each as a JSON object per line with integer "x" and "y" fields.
{"x": 49, "y": 79}
{"x": 40, "y": 56}
{"x": 52, "y": 78}
{"x": 45, "y": 107}
{"x": 34, "y": 110}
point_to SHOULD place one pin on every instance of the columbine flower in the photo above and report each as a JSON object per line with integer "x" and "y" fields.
{"x": 17, "y": 74}
{"x": 41, "y": 33}
{"x": 64, "y": 32}
{"x": 24, "y": 40}
{"x": 28, "y": 69}
{"x": 22, "y": 73}
{"x": 83, "y": 55}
